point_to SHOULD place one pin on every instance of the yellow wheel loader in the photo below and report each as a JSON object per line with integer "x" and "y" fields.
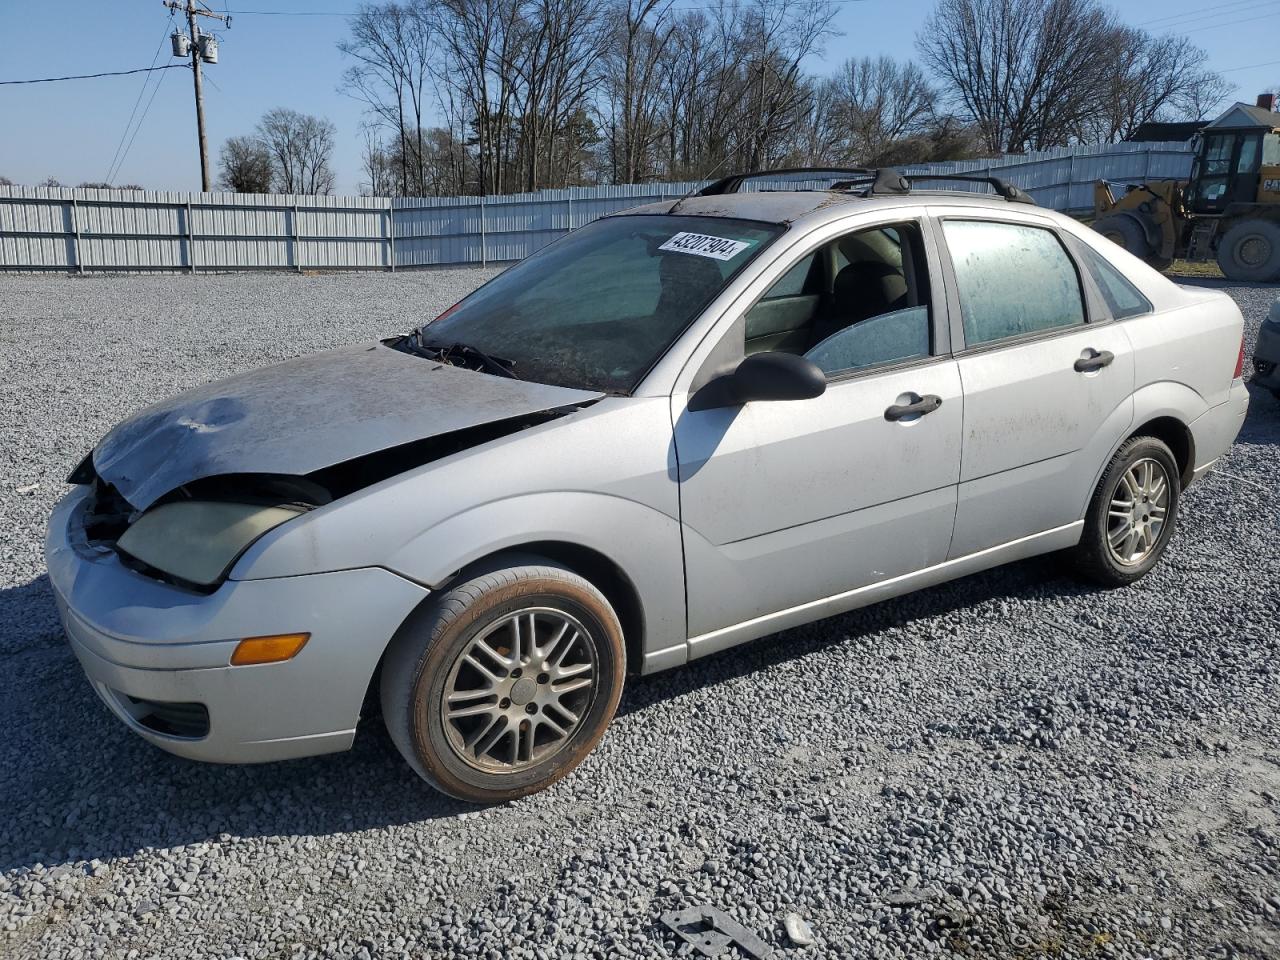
{"x": 1229, "y": 210}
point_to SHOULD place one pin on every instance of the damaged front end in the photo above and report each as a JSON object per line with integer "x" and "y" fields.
{"x": 184, "y": 488}
{"x": 192, "y": 536}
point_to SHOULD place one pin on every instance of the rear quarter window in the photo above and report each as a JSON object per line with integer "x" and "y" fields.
{"x": 1122, "y": 297}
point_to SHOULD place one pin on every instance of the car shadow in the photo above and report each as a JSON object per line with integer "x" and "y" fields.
{"x": 1043, "y": 577}
{"x": 1262, "y": 423}
{"x": 75, "y": 784}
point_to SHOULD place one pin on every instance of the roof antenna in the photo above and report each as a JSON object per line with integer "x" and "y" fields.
{"x": 695, "y": 189}
{"x": 707, "y": 176}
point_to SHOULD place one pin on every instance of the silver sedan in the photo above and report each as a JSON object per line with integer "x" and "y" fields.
{"x": 675, "y": 430}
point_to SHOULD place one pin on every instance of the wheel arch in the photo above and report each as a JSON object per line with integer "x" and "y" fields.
{"x": 1163, "y": 410}
{"x": 1177, "y": 436}
{"x": 1169, "y": 428}
{"x": 632, "y": 552}
{"x": 596, "y": 568}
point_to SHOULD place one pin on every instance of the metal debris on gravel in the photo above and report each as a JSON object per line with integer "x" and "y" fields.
{"x": 1067, "y": 771}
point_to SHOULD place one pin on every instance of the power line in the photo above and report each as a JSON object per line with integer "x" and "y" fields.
{"x": 289, "y": 13}
{"x": 1213, "y": 17}
{"x": 1232, "y": 7}
{"x": 111, "y": 170}
{"x": 1232, "y": 23}
{"x": 124, "y": 156}
{"x": 95, "y": 76}
{"x": 353, "y": 13}
{"x": 1252, "y": 66}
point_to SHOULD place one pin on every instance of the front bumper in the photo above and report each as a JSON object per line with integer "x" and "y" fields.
{"x": 1266, "y": 357}
{"x": 144, "y": 642}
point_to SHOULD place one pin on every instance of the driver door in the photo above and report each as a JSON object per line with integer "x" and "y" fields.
{"x": 789, "y": 506}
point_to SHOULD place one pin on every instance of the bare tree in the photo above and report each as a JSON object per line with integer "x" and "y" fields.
{"x": 1027, "y": 72}
{"x": 734, "y": 92}
{"x": 869, "y": 106}
{"x": 778, "y": 35}
{"x": 379, "y": 165}
{"x": 1204, "y": 99}
{"x": 481, "y": 39}
{"x": 301, "y": 148}
{"x": 554, "y": 69}
{"x": 6, "y": 182}
{"x": 245, "y": 166}
{"x": 1151, "y": 78}
{"x": 640, "y": 33}
{"x": 393, "y": 46}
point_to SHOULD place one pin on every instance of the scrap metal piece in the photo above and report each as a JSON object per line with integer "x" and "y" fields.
{"x": 711, "y": 930}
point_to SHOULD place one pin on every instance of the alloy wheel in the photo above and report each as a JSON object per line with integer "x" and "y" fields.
{"x": 520, "y": 690}
{"x": 1138, "y": 511}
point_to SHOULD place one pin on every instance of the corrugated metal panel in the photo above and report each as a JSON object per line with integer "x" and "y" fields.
{"x": 170, "y": 230}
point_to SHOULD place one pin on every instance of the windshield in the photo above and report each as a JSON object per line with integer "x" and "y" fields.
{"x": 598, "y": 308}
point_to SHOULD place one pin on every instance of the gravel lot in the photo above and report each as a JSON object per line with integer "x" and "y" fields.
{"x": 1012, "y": 765}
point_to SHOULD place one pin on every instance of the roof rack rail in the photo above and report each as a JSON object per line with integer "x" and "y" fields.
{"x": 733, "y": 183}
{"x": 1003, "y": 187}
{"x": 884, "y": 181}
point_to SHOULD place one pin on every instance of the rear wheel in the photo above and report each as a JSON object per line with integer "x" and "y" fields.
{"x": 1132, "y": 514}
{"x": 1250, "y": 250}
{"x": 505, "y": 683}
{"x": 1126, "y": 232}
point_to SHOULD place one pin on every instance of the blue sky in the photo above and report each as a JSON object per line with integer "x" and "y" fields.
{"x": 72, "y": 130}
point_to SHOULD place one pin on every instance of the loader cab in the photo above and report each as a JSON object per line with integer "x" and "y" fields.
{"x": 1227, "y": 167}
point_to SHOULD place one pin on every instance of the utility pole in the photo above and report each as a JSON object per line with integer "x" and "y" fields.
{"x": 201, "y": 48}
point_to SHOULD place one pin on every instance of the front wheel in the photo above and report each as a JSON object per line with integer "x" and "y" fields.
{"x": 1132, "y": 514}
{"x": 1125, "y": 231}
{"x": 1251, "y": 251}
{"x": 505, "y": 683}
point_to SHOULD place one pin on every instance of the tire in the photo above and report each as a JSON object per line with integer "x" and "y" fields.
{"x": 472, "y": 645}
{"x": 1250, "y": 250}
{"x": 1128, "y": 233}
{"x": 1095, "y": 557}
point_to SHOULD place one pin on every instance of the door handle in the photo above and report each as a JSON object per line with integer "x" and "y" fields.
{"x": 1097, "y": 361}
{"x": 917, "y": 408}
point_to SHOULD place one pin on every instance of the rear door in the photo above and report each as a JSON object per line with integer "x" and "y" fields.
{"x": 1047, "y": 378}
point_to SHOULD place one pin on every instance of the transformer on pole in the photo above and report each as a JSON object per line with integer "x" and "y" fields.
{"x": 201, "y": 48}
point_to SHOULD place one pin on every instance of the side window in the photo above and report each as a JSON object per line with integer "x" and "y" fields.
{"x": 1271, "y": 150}
{"x": 860, "y": 301}
{"x": 783, "y": 318}
{"x": 1012, "y": 280}
{"x": 796, "y": 282}
{"x": 1122, "y": 297}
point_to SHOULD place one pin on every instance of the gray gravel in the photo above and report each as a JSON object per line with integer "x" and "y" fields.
{"x": 1012, "y": 765}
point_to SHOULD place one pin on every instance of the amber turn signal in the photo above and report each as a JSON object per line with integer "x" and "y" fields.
{"x": 272, "y": 649}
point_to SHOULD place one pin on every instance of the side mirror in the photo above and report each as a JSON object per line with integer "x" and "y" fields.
{"x": 763, "y": 376}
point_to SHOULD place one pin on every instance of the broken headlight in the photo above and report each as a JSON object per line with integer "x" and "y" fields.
{"x": 197, "y": 541}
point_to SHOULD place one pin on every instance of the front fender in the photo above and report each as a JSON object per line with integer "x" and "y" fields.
{"x": 642, "y": 542}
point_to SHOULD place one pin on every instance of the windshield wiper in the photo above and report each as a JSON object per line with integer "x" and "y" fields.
{"x": 458, "y": 354}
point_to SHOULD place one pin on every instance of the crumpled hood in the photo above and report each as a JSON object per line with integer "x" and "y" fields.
{"x": 306, "y": 414}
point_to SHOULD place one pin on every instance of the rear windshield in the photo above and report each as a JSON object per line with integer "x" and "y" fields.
{"x": 598, "y": 308}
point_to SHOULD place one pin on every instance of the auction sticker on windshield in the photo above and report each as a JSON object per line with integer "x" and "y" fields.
{"x": 699, "y": 244}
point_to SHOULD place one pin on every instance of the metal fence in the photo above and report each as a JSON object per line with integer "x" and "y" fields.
{"x": 81, "y": 230}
